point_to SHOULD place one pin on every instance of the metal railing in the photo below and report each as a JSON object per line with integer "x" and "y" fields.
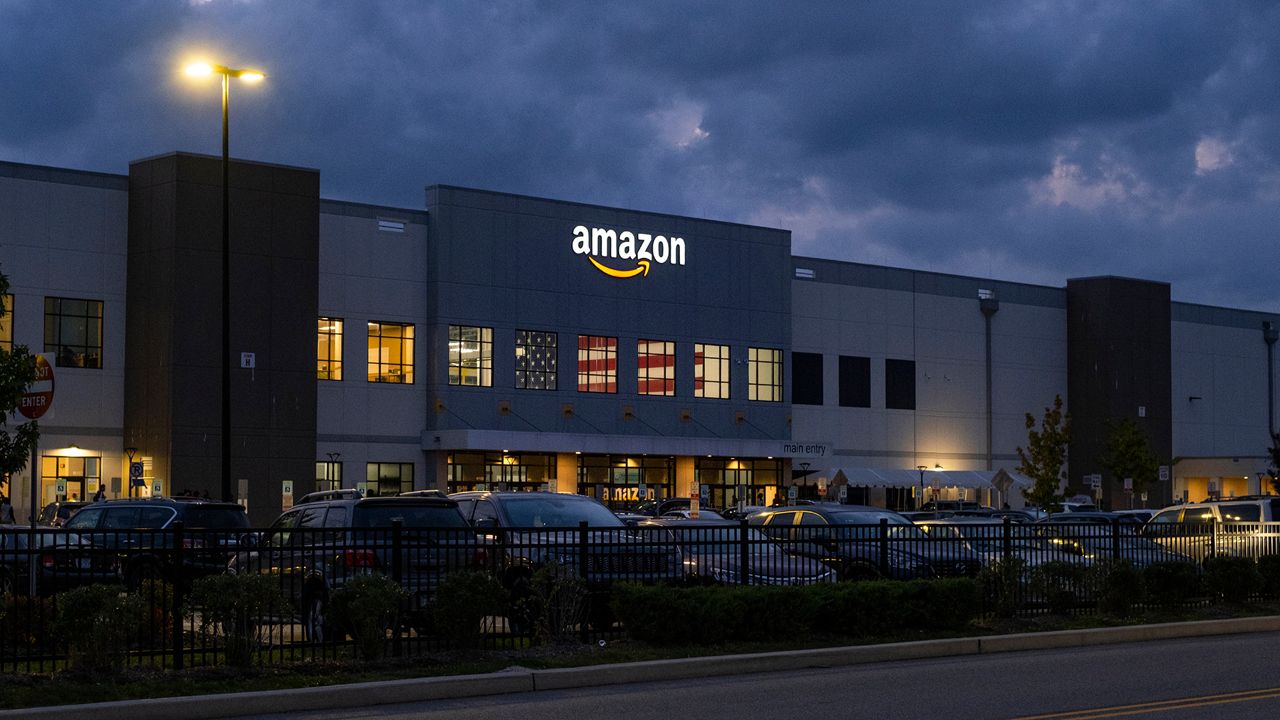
{"x": 546, "y": 583}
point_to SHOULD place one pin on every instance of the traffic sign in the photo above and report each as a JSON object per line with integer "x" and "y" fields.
{"x": 1164, "y": 473}
{"x": 38, "y": 398}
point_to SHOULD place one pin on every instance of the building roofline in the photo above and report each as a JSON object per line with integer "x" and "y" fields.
{"x": 65, "y": 176}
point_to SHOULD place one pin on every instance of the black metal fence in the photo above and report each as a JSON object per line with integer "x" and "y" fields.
{"x": 537, "y": 585}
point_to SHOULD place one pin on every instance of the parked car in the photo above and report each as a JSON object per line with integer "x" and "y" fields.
{"x": 1096, "y": 538}
{"x": 535, "y": 529}
{"x": 1230, "y": 526}
{"x": 711, "y": 551}
{"x": 317, "y": 547}
{"x": 703, "y": 514}
{"x": 63, "y": 560}
{"x": 56, "y": 514}
{"x": 986, "y": 539}
{"x": 847, "y": 537}
{"x": 138, "y": 533}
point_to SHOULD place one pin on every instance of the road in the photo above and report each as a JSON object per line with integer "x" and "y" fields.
{"x": 1224, "y": 678}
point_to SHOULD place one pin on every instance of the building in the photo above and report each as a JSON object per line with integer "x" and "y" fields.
{"x": 493, "y": 340}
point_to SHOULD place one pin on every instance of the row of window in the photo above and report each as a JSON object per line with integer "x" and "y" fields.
{"x": 470, "y": 361}
{"x": 72, "y": 330}
{"x": 855, "y": 381}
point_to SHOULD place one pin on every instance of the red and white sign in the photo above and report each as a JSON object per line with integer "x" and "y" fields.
{"x": 37, "y": 400}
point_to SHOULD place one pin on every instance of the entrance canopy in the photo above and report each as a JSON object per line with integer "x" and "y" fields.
{"x": 902, "y": 478}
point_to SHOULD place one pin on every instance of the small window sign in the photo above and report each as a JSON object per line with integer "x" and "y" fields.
{"x": 248, "y": 361}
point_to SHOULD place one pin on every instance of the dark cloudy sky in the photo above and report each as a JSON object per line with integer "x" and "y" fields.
{"x": 1032, "y": 140}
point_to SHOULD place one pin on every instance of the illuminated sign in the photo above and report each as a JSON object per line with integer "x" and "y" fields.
{"x": 605, "y": 248}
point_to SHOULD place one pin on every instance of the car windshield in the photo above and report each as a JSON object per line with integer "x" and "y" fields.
{"x": 722, "y": 541}
{"x": 538, "y": 511}
{"x": 410, "y": 515}
{"x": 990, "y": 538}
{"x": 899, "y": 526}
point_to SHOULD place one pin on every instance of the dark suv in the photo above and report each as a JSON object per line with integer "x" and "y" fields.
{"x": 318, "y": 545}
{"x": 535, "y": 529}
{"x": 141, "y": 534}
{"x": 848, "y": 538}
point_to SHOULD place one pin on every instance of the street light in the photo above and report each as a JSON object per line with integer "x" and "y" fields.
{"x": 921, "y": 468}
{"x": 201, "y": 69}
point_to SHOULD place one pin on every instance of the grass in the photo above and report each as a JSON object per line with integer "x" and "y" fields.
{"x": 73, "y": 687}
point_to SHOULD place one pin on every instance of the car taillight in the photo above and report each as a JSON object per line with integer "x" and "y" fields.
{"x": 481, "y": 557}
{"x": 189, "y": 543}
{"x": 359, "y": 558}
{"x": 46, "y": 559}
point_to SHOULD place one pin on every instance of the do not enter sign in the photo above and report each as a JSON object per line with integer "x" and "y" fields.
{"x": 38, "y": 398}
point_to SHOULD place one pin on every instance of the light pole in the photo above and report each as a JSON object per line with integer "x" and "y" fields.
{"x": 131, "y": 452}
{"x": 920, "y": 501}
{"x": 247, "y": 76}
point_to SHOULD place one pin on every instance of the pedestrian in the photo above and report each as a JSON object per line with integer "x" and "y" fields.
{"x": 6, "y": 511}
{"x": 101, "y": 494}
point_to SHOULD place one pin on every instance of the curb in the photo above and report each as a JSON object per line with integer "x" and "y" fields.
{"x": 332, "y": 697}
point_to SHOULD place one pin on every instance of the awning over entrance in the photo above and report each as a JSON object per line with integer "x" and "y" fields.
{"x": 903, "y": 478}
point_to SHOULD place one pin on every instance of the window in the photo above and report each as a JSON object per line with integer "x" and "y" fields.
{"x": 656, "y": 363}
{"x": 328, "y": 475}
{"x": 73, "y": 331}
{"x": 764, "y": 374}
{"x": 597, "y": 364}
{"x": 711, "y": 371}
{"x": 806, "y": 378}
{"x": 329, "y": 349}
{"x": 536, "y": 364}
{"x": 388, "y": 479}
{"x": 390, "y": 352}
{"x": 900, "y": 384}
{"x": 6, "y": 323}
{"x": 470, "y": 356}
{"x": 855, "y": 381}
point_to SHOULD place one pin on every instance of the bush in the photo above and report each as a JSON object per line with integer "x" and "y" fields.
{"x": 1119, "y": 586}
{"x": 717, "y": 614}
{"x": 368, "y": 607}
{"x": 241, "y": 606}
{"x": 463, "y": 601}
{"x": 557, "y": 603}
{"x": 1171, "y": 583}
{"x": 1061, "y": 584}
{"x": 1003, "y": 584}
{"x": 157, "y": 597}
{"x": 1269, "y": 571}
{"x": 98, "y": 622}
{"x": 1233, "y": 579}
{"x": 25, "y": 623}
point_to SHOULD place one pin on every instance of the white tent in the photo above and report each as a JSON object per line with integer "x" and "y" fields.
{"x": 987, "y": 485}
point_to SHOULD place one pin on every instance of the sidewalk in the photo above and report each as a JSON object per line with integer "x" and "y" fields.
{"x": 518, "y": 680}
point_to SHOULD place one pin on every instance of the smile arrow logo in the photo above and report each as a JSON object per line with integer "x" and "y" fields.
{"x": 641, "y": 268}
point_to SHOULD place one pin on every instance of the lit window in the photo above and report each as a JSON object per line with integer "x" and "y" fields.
{"x": 390, "y": 352}
{"x": 764, "y": 374}
{"x": 597, "y": 364}
{"x": 328, "y": 474}
{"x": 656, "y": 374}
{"x": 329, "y": 349}
{"x": 470, "y": 356}
{"x": 73, "y": 331}
{"x": 388, "y": 478}
{"x": 536, "y": 364}
{"x": 711, "y": 371}
{"x": 6, "y": 323}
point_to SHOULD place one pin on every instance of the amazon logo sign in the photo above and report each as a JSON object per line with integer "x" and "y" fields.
{"x": 626, "y": 254}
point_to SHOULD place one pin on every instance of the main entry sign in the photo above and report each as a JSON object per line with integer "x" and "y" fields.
{"x": 38, "y": 398}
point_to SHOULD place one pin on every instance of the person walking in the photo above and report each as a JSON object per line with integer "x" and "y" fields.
{"x": 6, "y": 511}
{"x": 101, "y": 494}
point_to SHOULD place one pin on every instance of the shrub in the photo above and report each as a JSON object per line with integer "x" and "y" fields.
{"x": 97, "y": 622}
{"x": 1003, "y": 583}
{"x": 1171, "y": 583}
{"x": 1233, "y": 579}
{"x": 26, "y": 622}
{"x": 463, "y": 601}
{"x": 557, "y": 603}
{"x": 1269, "y": 571}
{"x": 1061, "y": 584}
{"x": 157, "y": 597}
{"x": 1118, "y": 584}
{"x": 368, "y": 607}
{"x": 241, "y": 606}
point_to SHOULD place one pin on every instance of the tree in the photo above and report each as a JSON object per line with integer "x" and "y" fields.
{"x": 1273, "y": 469}
{"x": 1128, "y": 454}
{"x": 17, "y": 372}
{"x": 1045, "y": 458}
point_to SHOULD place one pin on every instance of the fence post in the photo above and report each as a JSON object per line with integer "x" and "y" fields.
{"x": 175, "y": 609}
{"x": 884, "y": 547}
{"x": 397, "y": 574}
{"x": 592, "y": 598}
{"x": 1006, "y": 539}
{"x": 1115, "y": 538}
{"x": 744, "y": 561}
